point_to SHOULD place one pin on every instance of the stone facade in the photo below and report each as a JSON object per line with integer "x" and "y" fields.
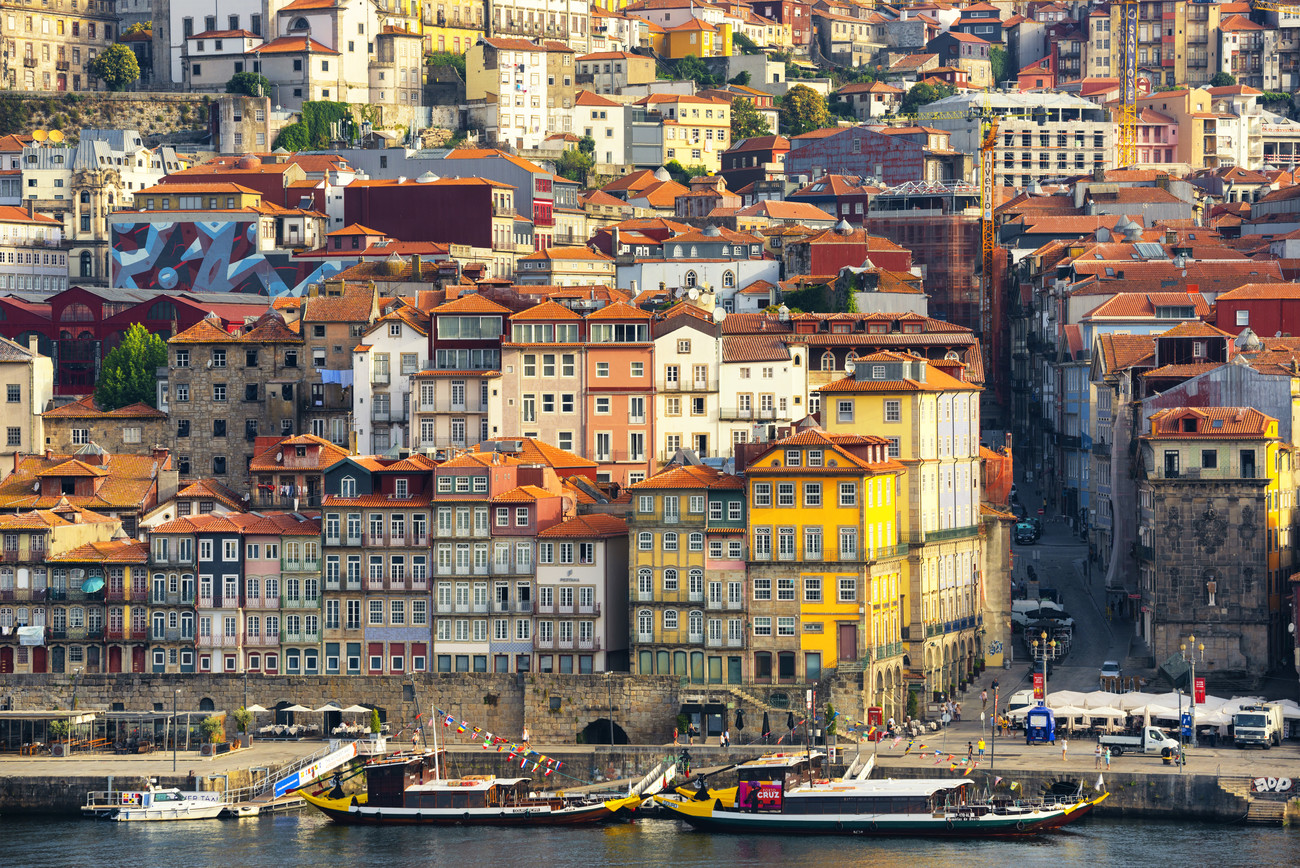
{"x": 52, "y": 52}
{"x": 134, "y": 430}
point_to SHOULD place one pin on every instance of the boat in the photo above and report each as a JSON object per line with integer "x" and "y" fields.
{"x": 781, "y": 793}
{"x": 154, "y": 804}
{"x": 407, "y": 789}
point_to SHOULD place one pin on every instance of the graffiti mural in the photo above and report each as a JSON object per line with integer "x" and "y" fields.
{"x": 200, "y": 256}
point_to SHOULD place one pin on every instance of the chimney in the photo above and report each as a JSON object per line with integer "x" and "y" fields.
{"x": 1171, "y": 236}
{"x": 415, "y": 266}
{"x": 32, "y": 342}
{"x": 31, "y": 208}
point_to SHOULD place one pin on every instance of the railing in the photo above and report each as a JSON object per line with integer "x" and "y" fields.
{"x": 10, "y": 556}
{"x": 687, "y": 385}
{"x": 300, "y": 602}
{"x": 589, "y": 644}
{"x": 388, "y": 414}
{"x": 300, "y": 637}
{"x": 1144, "y": 553}
{"x": 260, "y": 641}
{"x": 169, "y": 635}
{"x": 300, "y": 566}
{"x": 135, "y": 634}
{"x": 34, "y": 595}
{"x": 589, "y": 610}
{"x": 379, "y": 378}
{"x": 742, "y": 414}
{"x": 262, "y": 603}
{"x": 218, "y": 641}
{"x": 919, "y": 537}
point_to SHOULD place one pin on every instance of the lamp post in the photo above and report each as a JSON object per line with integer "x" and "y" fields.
{"x": 175, "y": 694}
{"x": 1191, "y": 660}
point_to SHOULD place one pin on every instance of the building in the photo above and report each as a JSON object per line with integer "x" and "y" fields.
{"x": 33, "y": 244}
{"x": 964, "y": 51}
{"x": 456, "y": 395}
{"x": 696, "y": 129}
{"x": 565, "y": 266}
{"x": 56, "y": 46}
{"x": 28, "y": 381}
{"x": 873, "y": 100}
{"x": 513, "y": 74}
{"x": 582, "y": 568}
{"x": 225, "y": 390}
{"x": 137, "y": 428}
{"x": 1213, "y": 533}
{"x": 611, "y": 71}
{"x": 889, "y": 156}
{"x": 289, "y": 472}
{"x": 929, "y": 417}
{"x": 389, "y": 355}
{"x": 331, "y": 326}
{"x": 667, "y": 531}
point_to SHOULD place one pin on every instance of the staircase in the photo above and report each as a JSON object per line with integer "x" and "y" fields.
{"x": 1266, "y": 813}
{"x": 1236, "y": 785}
{"x": 658, "y": 780}
{"x": 754, "y": 700}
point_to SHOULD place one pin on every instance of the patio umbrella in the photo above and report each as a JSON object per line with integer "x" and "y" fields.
{"x": 93, "y": 584}
{"x": 1064, "y": 697}
{"x": 740, "y": 720}
{"x": 295, "y": 708}
{"x": 767, "y": 728}
{"x": 356, "y": 709}
{"x": 329, "y": 706}
{"x": 789, "y": 723}
{"x": 255, "y": 708}
{"x": 1134, "y": 701}
{"x": 1099, "y": 699}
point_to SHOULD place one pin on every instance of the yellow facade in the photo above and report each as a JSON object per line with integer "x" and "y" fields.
{"x": 700, "y": 39}
{"x": 696, "y": 130}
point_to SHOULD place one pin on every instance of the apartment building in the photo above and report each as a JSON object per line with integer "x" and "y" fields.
{"x": 56, "y": 45}
{"x": 27, "y": 378}
{"x": 383, "y": 364}
{"x": 582, "y": 571}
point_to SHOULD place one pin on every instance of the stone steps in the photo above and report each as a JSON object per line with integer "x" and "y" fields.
{"x": 1237, "y": 785}
{"x": 1266, "y": 813}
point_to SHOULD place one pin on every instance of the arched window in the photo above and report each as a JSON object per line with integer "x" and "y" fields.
{"x": 645, "y": 624}
{"x": 159, "y": 625}
{"x": 695, "y": 623}
{"x": 670, "y": 579}
{"x": 670, "y": 619}
{"x": 796, "y": 360}
{"x": 347, "y": 487}
{"x": 77, "y": 312}
{"x": 677, "y": 251}
{"x": 645, "y": 582}
{"x": 851, "y": 357}
{"x": 828, "y": 361}
{"x": 670, "y": 542}
{"x": 695, "y": 252}
{"x": 163, "y": 311}
{"x": 695, "y": 542}
{"x": 728, "y": 279}
{"x": 691, "y": 279}
{"x": 87, "y": 264}
{"x": 187, "y": 625}
{"x": 299, "y": 24}
{"x": 85, "y": 197}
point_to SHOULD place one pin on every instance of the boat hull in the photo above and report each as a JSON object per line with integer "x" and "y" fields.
{"x": 197, "y": 811}
{"x": 711, "y": 816}
{"x": 355, "y": 812}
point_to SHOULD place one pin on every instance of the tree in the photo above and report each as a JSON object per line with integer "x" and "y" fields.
{"x": 691, "y": 67}
{"x": 587, "y": 145}
{"x": 243, "y": 717}
{"x": 742, "y": 79}
{"x": 249, "y": 84}
{"x": 212, "y": 729}
{"x": 116, "y": 66}
{"x": 922, "y": 95}
{"x": 140, "y": 27}
{"x": 375, "y": 724}
{"x": 683, "y": 174}
{"x": 574, "y": 165}
{"x": 745, "y": 44}
{"x": 447, "y": 58}
{"x": 293, "y": 137}
{"x": 803, "y": 110}
{"x": 130, "y": 371}
{"x": 998, "y": 60}
{"x": 746, "y": 121}
{"x": 1223, "y": 79}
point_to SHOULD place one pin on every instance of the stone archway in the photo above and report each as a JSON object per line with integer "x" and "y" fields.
{"x": 598, "y": 732}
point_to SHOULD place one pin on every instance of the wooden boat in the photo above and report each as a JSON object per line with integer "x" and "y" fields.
{"x": 780, "y": 793}
{"x": 153, "y": 804}
{"x": 406, "y": 789}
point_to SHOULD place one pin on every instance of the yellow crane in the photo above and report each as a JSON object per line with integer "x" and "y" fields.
{"x": 1128, "y": 30}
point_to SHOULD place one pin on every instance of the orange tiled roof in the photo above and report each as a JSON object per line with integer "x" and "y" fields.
{"x": 129, "y": 482}
{"x": 1211, "y": 422}
{"x": 210, "y": 488}
{"x": 618, "y": 310}
{"x": 354, "y": 305}
{"x": 471, "y": 304}
{"x": 118, "y": 551}
{"x": 593, "y": 525}
{"x": 535, "y": 451}
{"x": 935, "y": 379}
{"x": 205, "y": 331}
{"x": 688, "y": 476}
{"x": 329, "y": 455}
{"x": 523, "y": 494}
{"x": 86, "y": 408}
{"x": 1260, "y": 290}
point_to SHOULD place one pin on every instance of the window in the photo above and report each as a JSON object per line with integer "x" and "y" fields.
{"x": 844, "y": 411}
{"x": 762, "y": 626}
{"x": 763, "y": 494}
{"x": 14, "y": 394}
{"x": 848, "y": 494}
{"x": 848, "y": 590}
{"x": 812, "y": 589}
{"x": 893, "y": 411}
{"x": 812, "y": 494}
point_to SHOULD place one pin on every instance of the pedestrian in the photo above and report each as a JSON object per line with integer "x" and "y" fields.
{"x": 676, "y": 736}
{"x": 995, "y": 685}
{"x": 980, "y": 747}
{"x": 727, "y": 735}
{"x": 722, "y": 739}
{"x": 984, "y": 699}
{"x": 970, "y": 749}
{"x": 957, "y": 716}
{"x": 1065, "y": 746}
{"x": 1107, "y": 759}
{"x": 1098, "y": 755}
{"x": 524, "y": 738}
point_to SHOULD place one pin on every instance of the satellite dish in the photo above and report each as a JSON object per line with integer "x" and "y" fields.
{"x": 56, "y": 136}
{"x": 719, "y": 314}
{"x": 850, "y": 366}
{"x": 39, "y": 135}
{"x": 692, "y": 293}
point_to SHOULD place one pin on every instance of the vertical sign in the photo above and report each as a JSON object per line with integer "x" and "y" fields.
{"x": 1198, "y": 691}
{"x": 1038, "y": 685}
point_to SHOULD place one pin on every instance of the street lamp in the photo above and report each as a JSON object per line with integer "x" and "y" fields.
{"x": 175, "y": 694}
{"x": 1191, "y": 660}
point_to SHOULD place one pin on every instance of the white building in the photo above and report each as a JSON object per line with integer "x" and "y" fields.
{"x": 602, "y": 119}
{"x": 715, "y": 259}
{"x": 687, "y": 355}
{"x": 382, "y": 367}
{"x": 582, "y": 575}
{"x": 31, "y": 255}
{"x": 762, "y": 382}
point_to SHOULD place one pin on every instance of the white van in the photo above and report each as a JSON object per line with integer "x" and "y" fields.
{"x": 1021, "y": 699}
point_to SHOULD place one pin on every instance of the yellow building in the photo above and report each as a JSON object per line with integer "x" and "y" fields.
{"x": 697, "y": 129}
{"x": 929, "y": 414}
{"x": 826, "y": 569}
{"x": 197, "y": 196}
{"x": 697, "y": 37}
{"x": 667, "y": 527}
{"x": 450, "y": 27}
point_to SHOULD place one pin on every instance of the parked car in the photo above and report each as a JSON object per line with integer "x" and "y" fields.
{"x": 1025, "y": 534}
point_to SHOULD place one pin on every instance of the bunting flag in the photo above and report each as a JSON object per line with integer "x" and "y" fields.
{"x": 477, "y": 730}
{"x": 449, "y": 721}
{"x": 939, "y": 760}
{"x": 524, "y": 762}
{"x": 547, "y": 772}
{"x": 460, "y": 727}
{"x": 897, "y": 741}
{"x": 953, "y": 767}
{"x": 997, "y": 780}
{"x": 1015, "y": 785}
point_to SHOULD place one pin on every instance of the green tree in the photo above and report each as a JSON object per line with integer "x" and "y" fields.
{"x": 745, "y": 44}
{"x": 587, "y": 145}
{"x": 249, "y": 84}
{"x": 293, "y": 137}
{"x": 243, "y": 717}
{"x": 677, "y": 171}
{"x": 140, "y": 27}
{"x": 742, "y": 79}
{"x": 116, "y": 66}
{"x": 691, "y": 67}
{"x": 746, "y": 121}
{"x": 375, "y": 724}
{"x": 803, "y": 110}
{"x": 212, "y": 729}
{"x": 832, "y": 724}
{"x": 574, "y": 165}
{"x": 130, "y": 371}
{"x": 447, "y": 58}
{"x": 1223, "y": 79}
{"x": 998, "y": 60}
{"x": 922, "y": 95}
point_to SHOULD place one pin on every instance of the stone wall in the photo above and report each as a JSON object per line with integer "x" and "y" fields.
{"x": 153, "y": 114}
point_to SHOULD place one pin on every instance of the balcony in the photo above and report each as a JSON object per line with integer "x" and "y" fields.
{"x": 262, "y": 603}
{"x": 1144, "y": 553}
{"x": 503, "y": 210}
{"x": 135, "y": 634}
{"x": 171, "y": 635}
{"x": 589, "y": 645}
{"x": 379, "y": 378}
{"x": 300, "y": 566}
{"x": 687, "y": 386}
{"x": 62, "y": 65}
{"x": 388, "y": 414}
{"x": 300, "y": 638}
{"x": 35, "y": 595}
{"x": 930, "y": 536}
{"x": 217, "y": 641}
{"x": 748, "y": 414}
{"x": 10, "y": 556}
{"x": 29, "y": 62}
{"x": 300, "y": 602}
{"x": 260, "y": 641}
{"x": 589, "y": 610}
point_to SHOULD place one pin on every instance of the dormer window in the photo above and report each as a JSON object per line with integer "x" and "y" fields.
{"x": 1189, "y": 425}
{"x": 877, "y": 372}
{"x": 400, "y": 488}
{"x": 347, "y": 487}
{"x": 1198, "y": 349}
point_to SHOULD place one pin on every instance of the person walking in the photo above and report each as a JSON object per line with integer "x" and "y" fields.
{"x": 1065, "y": 747}
{"x": 980, "y": 747}
{"x": 676, "y": 736}
{"x": 1098, "y": 755}
{"x": 984, "y": 699}
{"x": 1107, "y": 759}
{"x": 726, "y": 734}
{"x": 970, "y": 750}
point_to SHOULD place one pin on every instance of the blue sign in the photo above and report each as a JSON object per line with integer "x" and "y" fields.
{"x": 1187, "y": 724}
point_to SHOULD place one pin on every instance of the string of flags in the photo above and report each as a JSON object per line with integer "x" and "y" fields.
{"x": 512, "y": 749}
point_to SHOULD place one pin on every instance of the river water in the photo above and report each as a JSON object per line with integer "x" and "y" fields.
{"x": 306, "y": 839}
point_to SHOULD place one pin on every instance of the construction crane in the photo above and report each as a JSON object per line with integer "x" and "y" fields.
{"x": 1126, "y": 154}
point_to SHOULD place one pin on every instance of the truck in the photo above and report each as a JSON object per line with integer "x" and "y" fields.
{"x": 1257, "y": 726}
{"x": 1152, "y": 739}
